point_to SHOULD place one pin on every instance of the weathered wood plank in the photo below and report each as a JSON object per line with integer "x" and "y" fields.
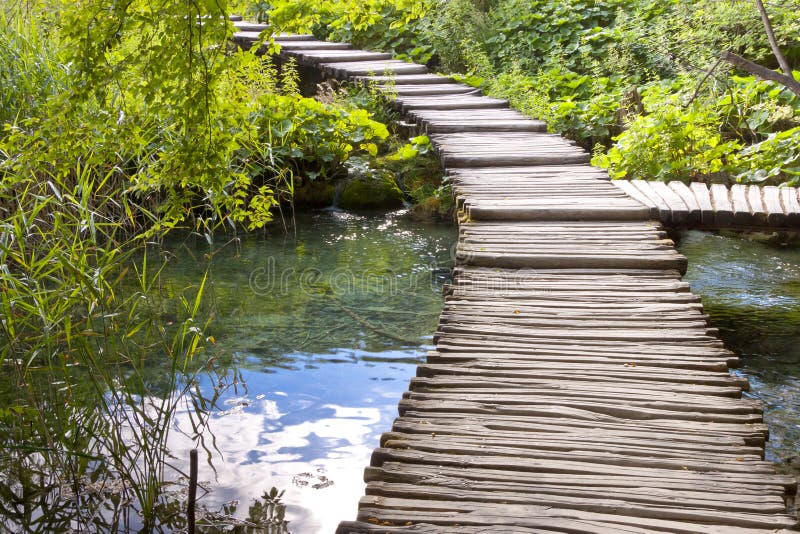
{"x": 645, "y": 189}
{"x": 742, "y": 216}
{"x": 293, "y": 45}
{"x": 448, "y": 102}
{"x": 679, "y": 210}
{"x": 723, "y": 208}
{"x": 703, "y": 196}
{"x": 403, "y": 79}
{"x": 688, "y": 198}
{"x": 791, "y": 206}
{"x": 401, "y": 511}
{"x": 691, "y": 510}
{"x": 771, "y": 197}
{"x": 756, "y": 204}
{"x": 344, "y": 70}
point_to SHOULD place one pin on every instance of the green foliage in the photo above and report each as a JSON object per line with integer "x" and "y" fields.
{"x": 710, "y": 138}
{"x": 670, "y": 144}
{"x": 29, "y": 74}
{"x": 535, "y": 34}
{"x": 390, "y": 25}
{"x": 91, "y": 376}
{"x": 316, "y": 138}
{"x": 583, "y": 107}
{"x": 777, "y": 158}
{"x": 120, "y": 121}
{"x": 180, "y": 123}
{"x": 581, "y": 66}
{"x": 456, "y": 30}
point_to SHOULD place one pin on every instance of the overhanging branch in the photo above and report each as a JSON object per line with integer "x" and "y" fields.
{"x": 762, "y": 72}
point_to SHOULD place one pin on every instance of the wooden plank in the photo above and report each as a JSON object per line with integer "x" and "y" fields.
{"x": 703, "y": 196}
{"x": 756, "y": 204}
{"x": 429, "y": 89}
{"x": 550, "y": 212}
{"x": 679, "y": 210}
{"x": 244, "y": 26}
{"x": 664, "y": 210}
{"x": 564, "y": 258}
{"x": 315, "y": 57}
{"x": 376, "y": 527}
{"x": 404, "y": 79}
{"x": 344, "y": 70}
{"x": 742, "y": 216}
{"x": 484, "y": 125}
{"x": 595, "y": 502}
{"x": 449, "y": 102}
{"x": 688, "y": 198}
{"x": 472, "y": 512}
{"x": 723, "y": 208}
{"x": 294, "y": 45}
{"x": 791, "y": 206}
{"x": 771, "y": 197}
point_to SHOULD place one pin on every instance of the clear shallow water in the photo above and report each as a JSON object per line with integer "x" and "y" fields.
{"x": 326, "y": 325}
{"x": 751, "y": 290}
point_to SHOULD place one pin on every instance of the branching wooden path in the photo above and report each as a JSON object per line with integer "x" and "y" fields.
{"x": 576, "y": 385}
{"x": 717, "y": 206}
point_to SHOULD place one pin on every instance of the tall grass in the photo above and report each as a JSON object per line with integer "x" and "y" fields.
{"x": 91, "y": 375}
{"x": 29, "y": 72}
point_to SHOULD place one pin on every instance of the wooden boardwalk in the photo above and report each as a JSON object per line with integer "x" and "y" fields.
{"x": 576, "y": 385}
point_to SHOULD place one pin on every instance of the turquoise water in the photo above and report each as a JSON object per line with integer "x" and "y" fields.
{"x": 751, "y": 290}
{"x": 326, "y": 324}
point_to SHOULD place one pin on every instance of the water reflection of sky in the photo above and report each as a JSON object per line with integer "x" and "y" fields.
{"x": 310, "y": 433}
{"x": 324, "y": 363}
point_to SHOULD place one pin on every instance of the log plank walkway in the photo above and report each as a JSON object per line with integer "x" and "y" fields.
{"x": 576, "y": 385}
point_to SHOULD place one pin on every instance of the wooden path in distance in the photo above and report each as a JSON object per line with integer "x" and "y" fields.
{"x": 716, "y": 206}
{"x": 576, "y": 385}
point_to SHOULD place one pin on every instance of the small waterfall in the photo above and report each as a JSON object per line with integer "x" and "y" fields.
{"x": 338, "y": 188}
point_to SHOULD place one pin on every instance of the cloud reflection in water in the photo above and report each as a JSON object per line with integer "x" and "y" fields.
{"x": 310, "y": 432}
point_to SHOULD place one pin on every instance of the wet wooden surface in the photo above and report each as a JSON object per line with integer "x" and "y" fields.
{"x": 575, "y": 384}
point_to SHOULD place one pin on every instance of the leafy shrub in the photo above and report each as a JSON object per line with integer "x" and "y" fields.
{"x": 751, "y": 109}
{"x": 456, "y": 30}
{"x": 669, "y": 144}
{"x": 776, "y": 159}
{"x": 389, "y": 25}
{"x": 540, "y": 33}
{"x": 708, "y": 138}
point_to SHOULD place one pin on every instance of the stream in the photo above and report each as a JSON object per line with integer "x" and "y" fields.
{"x": 751, "y": 290}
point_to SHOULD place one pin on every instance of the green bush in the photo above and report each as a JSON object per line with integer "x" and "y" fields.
{"x": 389, "y": 25}
{"x": 670, "y": 144}
{"x": 709, "y": 138}
{"x": 776, "y": 159}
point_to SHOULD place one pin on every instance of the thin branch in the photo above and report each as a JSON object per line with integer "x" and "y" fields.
{"x": 773, "y": 43}
{"x": 700, "y": 85}
{"x": 762, "y": 72}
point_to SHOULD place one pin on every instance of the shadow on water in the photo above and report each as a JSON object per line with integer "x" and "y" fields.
{"x": 751, "y": 290}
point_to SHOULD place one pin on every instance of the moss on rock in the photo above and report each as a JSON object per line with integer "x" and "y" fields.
{"x": 371, "y": 194}
{"x": 314, "y": 194}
